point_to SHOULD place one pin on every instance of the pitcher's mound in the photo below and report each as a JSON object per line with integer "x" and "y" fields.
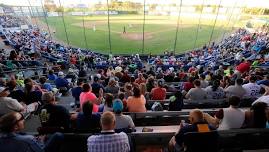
{"x": 136, "y": 36}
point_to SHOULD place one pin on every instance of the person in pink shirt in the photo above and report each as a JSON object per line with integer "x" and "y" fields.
{"x": 87, "y": 96}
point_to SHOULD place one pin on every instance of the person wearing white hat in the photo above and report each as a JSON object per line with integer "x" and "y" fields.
{"x": 8, "y": 104}
{"x": 61, "y": 83}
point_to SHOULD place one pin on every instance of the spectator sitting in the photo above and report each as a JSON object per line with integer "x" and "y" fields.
{"x": 197, "y": 124}
{"x": 196, "y": 93}
{"x": 87, "y": 96}
{"x": 112, "y": 87}
{"x": 82, "y": 73}
{"x": 87, "y": 120}
{"x": 215, "y": 91}
{"x": 150, "y": 84}
{"x": 128, "y": 90}
{"x": 71, "y": 75}
{"x": 236, "y": 90}
{"x": 176, "y": 102}
{"x": 204, "y": 83}
{"x": 252, "y": 89}
{"x": 96, "y": 85}
{"x": 53, "y": 115}
{"x": 45, "y": 86}
{"x": 136, "y": 103}
{"x": 188, "y": 85}
{"x": 108, "y": 102}
{"x": 61, "y": 83}
{"x": 13, "y": 123}
{"x": 256, "y": 117}
{"x": 7, "y": 104}
{"x": 122, "y": 121}
{"x": 140, "y": 79}
{"x": 52, "y": 76}
{"x": 265, "y": 97}
{"x": 125, "y": 78}
{"x": 31, "y": 95}
{"x": 77, "y": 91}
{"x": 228, "y": 118}
{"x": 243, "y": 67}
{"x": 124, "y": 101}
{"x": 265, "y": 81}
{"x": 158, "y": 93}
{"x": 108, "y": 140}
{"x": 14, "y": 92}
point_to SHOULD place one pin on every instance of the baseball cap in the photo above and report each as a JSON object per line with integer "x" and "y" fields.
{"x": 60, "y": 73}
{"x": 117, "y": 105}
{"x": 2, "y": 89}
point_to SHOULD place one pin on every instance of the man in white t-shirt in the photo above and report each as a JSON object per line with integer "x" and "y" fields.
{"x": 8, "y": 104}
{"x": 265, "y": 97}
{"x": 236, "y": 90}
{"x": 252, "y": 89}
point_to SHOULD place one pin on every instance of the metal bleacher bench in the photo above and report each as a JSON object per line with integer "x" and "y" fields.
{"x": 190, "y": 104}
{"x": 235, "y": 140}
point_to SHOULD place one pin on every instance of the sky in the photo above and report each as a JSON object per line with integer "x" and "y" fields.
{"x": 248, "y": 3}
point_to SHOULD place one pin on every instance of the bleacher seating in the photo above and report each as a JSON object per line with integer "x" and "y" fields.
{"x": 235, "y": 140}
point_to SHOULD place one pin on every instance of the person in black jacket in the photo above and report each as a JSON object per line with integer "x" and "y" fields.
{"x": 176, "y": 102}
{"x": 52, "y": 115}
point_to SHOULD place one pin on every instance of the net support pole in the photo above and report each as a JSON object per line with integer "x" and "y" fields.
{"x": 108, "y": 26}
{"x": 84, "y": 30}
{"x": 46, "y": 19}
{"x": 229, "y": 20}
{"x": 30, "y": 8}
{"x": 66, "y": 35}
{"x": 215, "y": 21}
{"x": 144, "y": 19}
{"x": 198, "y": 26}
{"x": 178, "y": 20}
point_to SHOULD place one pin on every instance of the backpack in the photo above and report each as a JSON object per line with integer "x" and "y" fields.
{"x": 157, "y": 106}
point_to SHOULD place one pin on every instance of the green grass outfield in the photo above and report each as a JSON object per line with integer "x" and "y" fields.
{"x": 160, "y": 32}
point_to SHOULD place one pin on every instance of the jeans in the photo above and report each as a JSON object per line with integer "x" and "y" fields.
{"x": 54, "y": 142}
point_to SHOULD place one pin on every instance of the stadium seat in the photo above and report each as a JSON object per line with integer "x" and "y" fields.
{"x": 201, "y": 142}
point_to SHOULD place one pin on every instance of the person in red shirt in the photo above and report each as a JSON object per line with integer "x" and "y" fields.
{"x": 158, "y": 93}
{"x": 243, "y": 67}
{"x": 188, "y": 85}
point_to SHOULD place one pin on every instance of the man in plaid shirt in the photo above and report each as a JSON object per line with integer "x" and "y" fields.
{"x": 108, "y": 140}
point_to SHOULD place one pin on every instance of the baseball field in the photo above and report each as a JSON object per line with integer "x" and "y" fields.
{"x": 126, "y": 33}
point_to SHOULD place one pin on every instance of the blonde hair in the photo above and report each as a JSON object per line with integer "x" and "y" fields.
{"x": 107, "y": 118}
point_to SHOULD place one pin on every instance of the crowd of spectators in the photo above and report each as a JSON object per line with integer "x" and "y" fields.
{"x": 122, "y": 84}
